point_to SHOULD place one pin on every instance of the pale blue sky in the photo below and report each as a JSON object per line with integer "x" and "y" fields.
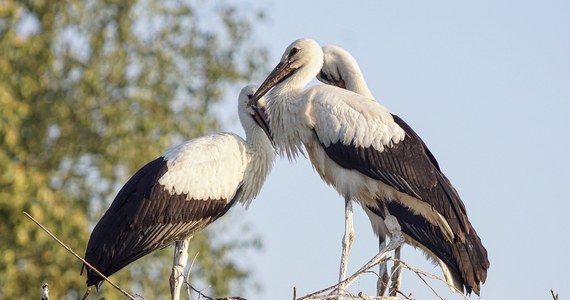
{"x": 486, "y": 84}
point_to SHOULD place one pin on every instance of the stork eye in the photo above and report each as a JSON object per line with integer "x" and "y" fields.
{"x": 293, "y": 51}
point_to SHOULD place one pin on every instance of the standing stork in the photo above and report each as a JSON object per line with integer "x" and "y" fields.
{"x": 181, "y": 192}
{"x": 372, "y": 156}
{"x": 341, "y": 69}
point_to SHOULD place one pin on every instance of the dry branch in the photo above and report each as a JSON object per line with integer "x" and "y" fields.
{"x": 201, "y": 294}
{"x": 81, "y": 259}
{"x": 554, "y": 294}
{"x": 380, "y": 258}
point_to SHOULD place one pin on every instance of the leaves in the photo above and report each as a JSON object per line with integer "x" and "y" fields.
{"x": 90, "y": 91}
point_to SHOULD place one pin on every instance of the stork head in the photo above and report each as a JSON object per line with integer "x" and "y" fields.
{"x": 337, "y": 63}
{"x": 301, "y": 62}
{"x": 340, "y": 69}
{"x": 253, "y": 115}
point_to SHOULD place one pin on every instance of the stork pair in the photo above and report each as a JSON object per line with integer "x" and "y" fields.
{"x": 356, "y": 145}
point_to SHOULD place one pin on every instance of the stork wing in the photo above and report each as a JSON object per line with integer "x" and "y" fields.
{"x": 466, "y": 262}
{"x": 167, "y": 200}
{"x": 362, "y": 135}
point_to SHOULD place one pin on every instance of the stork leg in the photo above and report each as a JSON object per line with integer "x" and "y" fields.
{"x": 177, "y": 275}
{"x": 346, "y": 242}
{"x": 396, "y": 236}
{"x": 396, "y": 273}
{"x": 396, "y": 240}
{"x": 382, "y": 272}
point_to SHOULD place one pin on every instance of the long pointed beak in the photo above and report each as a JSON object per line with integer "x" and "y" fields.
{"x": 279, "y": 73}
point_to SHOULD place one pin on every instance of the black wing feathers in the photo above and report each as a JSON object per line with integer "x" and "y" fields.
{"x": 466, "y": 260}
{"x": 145, "y": 217}
{"x": 421, "y": 230}
{"x": 410, "y": 168}
{"x": 413, "y": 134}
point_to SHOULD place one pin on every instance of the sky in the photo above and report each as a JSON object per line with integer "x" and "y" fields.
{"x": 486, "y": 84}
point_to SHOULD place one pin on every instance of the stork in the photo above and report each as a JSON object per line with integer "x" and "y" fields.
{"x": 341, "y": 69}
{"x": 181, "y": 192}
{"x": 369, "y": 155}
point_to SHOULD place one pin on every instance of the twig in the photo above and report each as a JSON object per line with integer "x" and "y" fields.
{"x": 373, "y": 262}
{"x": 187, "y": 280}
{"x": 200, "y": 292}
{"x": 79, "y": 257}
{"x": 421, "y": 273}
{"x": 407, "y": 297}
{"x": 202, "y": 295}
{"x": 430, "y": 287}
{"x": 554, "y": 294}
{"x": 333, "y": 296}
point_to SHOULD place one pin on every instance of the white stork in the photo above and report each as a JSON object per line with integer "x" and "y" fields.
{"x": 341, "y": 69}
{"x": 372, "y": 156}
{"x": 182, "y": 191}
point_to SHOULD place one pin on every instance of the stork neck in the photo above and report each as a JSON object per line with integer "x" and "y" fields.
{"x": 256, "y": 138}
{"x": 260, "y": 156}
{"x": 288, "y": 123}
{"x": 284, "y": 92}
{"x": 358, "y": 85}
{"x": 291, "y": 86}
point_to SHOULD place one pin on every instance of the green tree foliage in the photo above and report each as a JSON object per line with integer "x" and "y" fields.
{"x": 89, "y": 92}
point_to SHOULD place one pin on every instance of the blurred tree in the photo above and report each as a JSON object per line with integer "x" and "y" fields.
{"x": 89, "y": 92}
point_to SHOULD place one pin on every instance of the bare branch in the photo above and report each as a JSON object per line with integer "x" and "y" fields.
{"x": 200, "y": 293}
{"x": 347, "y": 282}
{"x": 423, "y": 275}
{"x": 373, "y": 262}
{"x": 81, "y": 259}
{"x": 188, "y": 290}
{"x": 554, "y": 294}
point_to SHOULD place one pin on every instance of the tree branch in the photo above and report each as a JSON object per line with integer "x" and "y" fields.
{"x": 373, "y": 262}
{"x": 380, "y": 258}
{"x": 81, "y": 259}
{"x": 554, "y": 294}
